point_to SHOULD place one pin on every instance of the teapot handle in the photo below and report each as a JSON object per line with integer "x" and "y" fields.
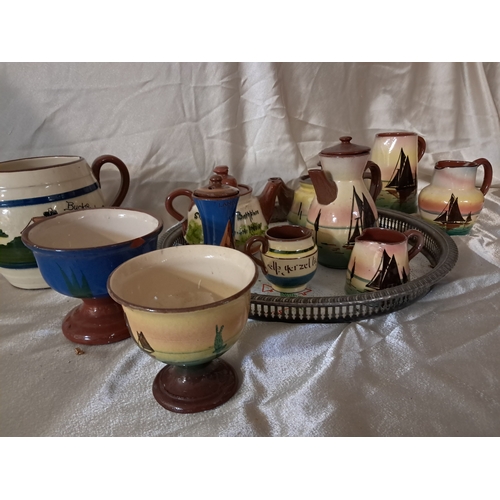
{"x": 124, "y": 175}
{"x": 419, "y": 243}
{"x": 170, "y": 199}
{"x": 264, "y": 247}
{"x": 488, "y": 174}
{"x": 376, "y": 179}
{"x": 422, "y": 146}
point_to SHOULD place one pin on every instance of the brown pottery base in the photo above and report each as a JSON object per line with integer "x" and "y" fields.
{"x": 191, "y": 389}
{"x": 96, "y": 322}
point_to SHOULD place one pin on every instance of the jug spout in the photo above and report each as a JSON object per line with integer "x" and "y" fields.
{"x": 267, "y": 199}
{"x": 325, "y": 187}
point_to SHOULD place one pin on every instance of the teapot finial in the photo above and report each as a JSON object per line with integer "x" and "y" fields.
{"x": 345, "y": 139}
{"x": 215, "y": 182}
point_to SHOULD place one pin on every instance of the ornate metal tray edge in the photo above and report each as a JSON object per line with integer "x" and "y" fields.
{"x": 440, "y": 250}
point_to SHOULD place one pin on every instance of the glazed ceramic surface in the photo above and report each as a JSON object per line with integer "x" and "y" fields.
{"x": 76, "y": 251}
{"x": 380, "y": 259}
{"x": 302, "y": 200}
{"x": 252, "y": 213}
{"x": 452, "y": 200}
{"x": 397, "y": 154}
{"x": 289, "y": 257}
{"x": 44, "y": 186}
{"x": 185, "y": 305}
{"x": 343, "y": 205}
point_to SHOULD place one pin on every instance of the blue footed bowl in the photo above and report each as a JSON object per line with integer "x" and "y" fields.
{"x": 77, "y": 251}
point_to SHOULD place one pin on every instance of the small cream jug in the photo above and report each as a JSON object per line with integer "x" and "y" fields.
{"x": 451, "y": 200}
{"x": 44, "y": 186}
{"x": 380, "y": 259}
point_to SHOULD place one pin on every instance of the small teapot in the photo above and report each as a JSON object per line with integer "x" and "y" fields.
{"x": 253, "y": 214}
{"x": 343, "y": 206}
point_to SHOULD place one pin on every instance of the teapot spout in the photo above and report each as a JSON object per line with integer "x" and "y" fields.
{"x": 267, "y": 199}
{"x": 326, "y": 189}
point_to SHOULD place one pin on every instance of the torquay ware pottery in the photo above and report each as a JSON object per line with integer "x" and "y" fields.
{"x": 343, "y": 206}
{"x": 253, "y": 214}
{"x": 43, "y": 186}
{"x": 452, "y": 200}
{"x": 302, "y": 199}
{"x": 77, "y": 251}
{"x": 217, "y": 207}
{"x": 380, "y": 259}
{"x": 185, "y": 307}
{"x": 288, "y": 257}
{"x": 397, "y": 154}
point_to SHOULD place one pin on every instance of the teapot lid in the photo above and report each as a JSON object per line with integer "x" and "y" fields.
{"x": 345, "y": 148}
{"x": 216, "y": 189}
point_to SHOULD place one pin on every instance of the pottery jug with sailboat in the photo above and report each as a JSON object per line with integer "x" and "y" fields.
{"x": 380, "y": 259}
{"x": 397, "y": 154}
{"x": 452, "y": 201}
{"x": 343, "y": 206}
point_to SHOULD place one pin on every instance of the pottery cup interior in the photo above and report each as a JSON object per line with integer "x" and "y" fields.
{"x": 92, "y": 228}
{"x": 77, "y": 251}
{"x": 180, "y": 298}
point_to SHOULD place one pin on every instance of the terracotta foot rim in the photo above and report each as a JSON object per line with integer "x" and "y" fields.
{"x": 96, "y": 322}
{"x": 195, "y": 388}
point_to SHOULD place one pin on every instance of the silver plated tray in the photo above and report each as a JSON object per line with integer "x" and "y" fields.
{"x": 324, "y": 300}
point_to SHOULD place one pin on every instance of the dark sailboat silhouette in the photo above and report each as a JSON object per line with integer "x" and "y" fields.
{"x": 403, "y": 182}
{"x": 451, "y": 217}
{"x": 144, "y": 343}
{"x": 387, "y": 274}
{"x": 316, "y": 227}
{"x": 362, "y": 216}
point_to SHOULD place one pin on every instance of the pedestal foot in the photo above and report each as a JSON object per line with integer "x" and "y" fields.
{"x": 192, "y": 389}
{"x": 96, "y": 322}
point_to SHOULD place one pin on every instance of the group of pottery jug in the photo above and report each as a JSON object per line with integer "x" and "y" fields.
{"x": 336, "y": 200}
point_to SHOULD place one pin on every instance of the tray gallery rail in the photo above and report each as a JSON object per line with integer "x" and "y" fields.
{"x": 324, "y": 301}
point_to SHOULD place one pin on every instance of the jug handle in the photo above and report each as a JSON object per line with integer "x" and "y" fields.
{"x": 422, "y": 146}
{"x": 488, "y": 174}
{"x": 264, "y": 247}
{"x": 170, "y": 199}
{"x": 376, "y": 179}
{"x": 124, "y": 175}
{"x": 419, "y": 243}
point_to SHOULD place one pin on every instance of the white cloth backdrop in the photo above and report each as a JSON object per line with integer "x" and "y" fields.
{"x": 429, "y": 369}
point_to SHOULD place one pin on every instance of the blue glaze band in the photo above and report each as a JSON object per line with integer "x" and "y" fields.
{"x": 290, "y": 282}
{"x": 49, "y": 199}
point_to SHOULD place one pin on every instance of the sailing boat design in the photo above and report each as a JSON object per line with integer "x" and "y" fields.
{"x": 387, "y": 274}
{"x": 361, "y": 218}
{"x": 451, "y": 217}
{"x": 403, "y": 182}
{"x": 143, "y": 343}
